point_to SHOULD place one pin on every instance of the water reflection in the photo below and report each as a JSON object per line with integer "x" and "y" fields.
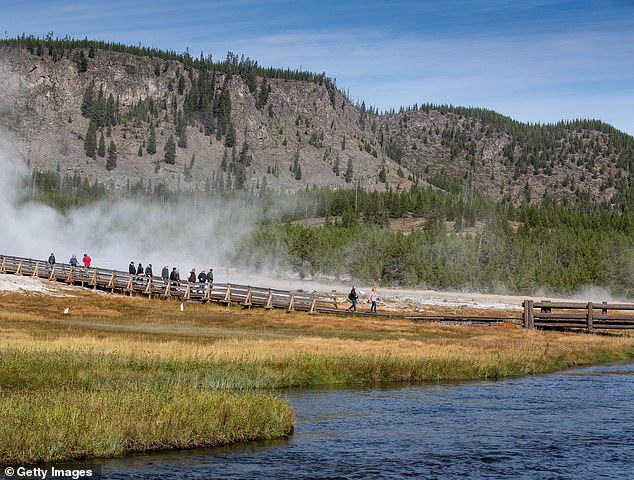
{"x": 571, "y": 425}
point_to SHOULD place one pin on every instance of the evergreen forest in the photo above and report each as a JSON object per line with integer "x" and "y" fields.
{"x": 463, "y": 239}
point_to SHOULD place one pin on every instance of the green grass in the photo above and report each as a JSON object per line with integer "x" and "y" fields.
{"x": 62, "y": 424}
{"x": 121, "y": 375}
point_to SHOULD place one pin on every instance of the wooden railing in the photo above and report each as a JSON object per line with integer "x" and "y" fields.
{"x": 543, "y": 314}
{"x": 589, "y": 315}
{"x": 114, "y": 280}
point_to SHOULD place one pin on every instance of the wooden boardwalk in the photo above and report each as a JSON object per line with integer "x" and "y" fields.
{"x": 544, "y": 314}
{"x": 570, "y": 315}
{"x": 224, "y": 293}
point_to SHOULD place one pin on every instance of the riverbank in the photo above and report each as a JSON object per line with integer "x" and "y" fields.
{"x": 150, "y": 372}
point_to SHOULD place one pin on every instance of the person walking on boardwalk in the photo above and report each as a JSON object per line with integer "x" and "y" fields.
{"x": 192, "y": 276}
{"x": 131, "y": 269}
{"x": 165, "y": 274}
{"x": 174, "y": 277}
{"x": 148, "y": 270}
{"x": 202, "y": 279}
{"x": 87, "y": 260}
{"x": 51, "y": 261}
{"x": 352, "y": 296}
{"x": 73, "y": 261}
{"x": 210, "y": 277}
{"x": 372, "y": 299}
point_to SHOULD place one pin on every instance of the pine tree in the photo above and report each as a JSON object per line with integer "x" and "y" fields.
{"x": 90, "y": 142}
{"x": 88, "y": 100}
{"x": 170, "y": 151}
{"x": 82, "y": 62}
{"x": 383, "y": 175}
{"x": 349, "y": 172}
{"x": 263, "y": 97}
{"x": 230, "y": 139}
{"x": 101, "y": 151}
{"x": 181, "y": 132}
{"x": 111, "y": 163}
{"x": 151, "y": 142}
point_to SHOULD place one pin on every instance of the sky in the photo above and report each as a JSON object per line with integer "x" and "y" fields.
{"x": 536, "y": 61}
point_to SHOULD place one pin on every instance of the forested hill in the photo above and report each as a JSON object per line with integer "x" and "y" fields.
{"x": 130, "y": 117}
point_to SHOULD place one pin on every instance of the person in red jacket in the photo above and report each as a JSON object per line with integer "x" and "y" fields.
{"x": 86, "y": 260}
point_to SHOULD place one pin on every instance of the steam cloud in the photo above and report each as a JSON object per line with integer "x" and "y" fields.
{"x": 185, "y": 234}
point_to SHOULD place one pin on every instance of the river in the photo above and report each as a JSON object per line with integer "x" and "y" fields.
{"x": 577, "y": 424}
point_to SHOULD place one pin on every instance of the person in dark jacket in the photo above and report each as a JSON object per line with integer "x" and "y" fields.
{"x": 73, "y": 261}
{"x": 210, "y": 276}
{"x": 202, "y": 279}
{"x": 165, "y": 274}
{"x": 352, "y": 296}
{"x": 148, "y": 270}
{"x": 51, "y": 261}
{"x": 192, "y": 276}
{"x": 139, "y": 269}
{"x": 174, "y": 277}
{"x": 132, "y": 268}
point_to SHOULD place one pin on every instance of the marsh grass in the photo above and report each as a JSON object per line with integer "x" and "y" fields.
{"x": 64, "y": 423}
{"x": 153, "y": 377}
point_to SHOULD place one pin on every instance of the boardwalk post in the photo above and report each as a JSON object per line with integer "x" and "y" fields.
{"x": 188, "y": 291}
{"x": 228, "y": 294}
{"x": 247, "y": 301}
{"x": 112, "y": 282}
{"x": 529, "y": 320}
{"x": 291, "y": 304}
{"x": 334, "y": 301}
{"x": 130, "y": 286}
{"x": 3, "y": 265}
{"x": 148, "y": 287}
{"x": 168, "y": 289}
{"x": 207, "y": 295}
{"x": 94, "y": 280}
{"x": 69, "y": 279}
{"x": 590, "y": 317}
{"x": 36, "y": 270}
{"x": 313, "y": 305}
{"x": 52, "y": 275}
{"x": 269, "y": 300}
{"x": 19, "y": 270}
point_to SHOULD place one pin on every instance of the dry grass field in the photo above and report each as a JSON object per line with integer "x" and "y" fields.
{"x": 147, "y": 370}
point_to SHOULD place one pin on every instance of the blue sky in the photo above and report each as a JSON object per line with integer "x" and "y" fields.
{"x": 533, "y": 60}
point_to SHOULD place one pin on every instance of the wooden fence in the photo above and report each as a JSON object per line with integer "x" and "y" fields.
{"x": 113, "y": 280}
{"x": 543, "y": 314}
{"x": 590, "y": 316}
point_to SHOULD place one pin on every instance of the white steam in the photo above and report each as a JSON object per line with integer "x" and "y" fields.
{"x": 184, "y": 234}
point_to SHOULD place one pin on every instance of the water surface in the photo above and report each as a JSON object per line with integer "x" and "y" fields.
{"x": 577, "y": 424}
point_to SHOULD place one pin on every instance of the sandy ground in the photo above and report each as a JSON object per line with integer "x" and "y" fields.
{"x": 25, "y": 284}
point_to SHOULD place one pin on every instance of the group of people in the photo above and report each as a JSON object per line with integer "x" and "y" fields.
{"x": 140, "y": 271}
{"x": 203, "y": 278}
{"x": 373, "y": 299}
{"x": 174, "y": 276}
{"x": 73, "y": 262}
